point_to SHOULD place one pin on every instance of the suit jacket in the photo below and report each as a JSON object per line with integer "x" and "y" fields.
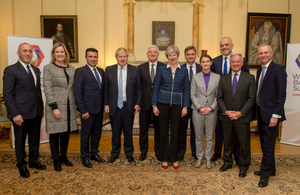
{"x": 20, "y": 94}
{"x": 88, "y": 95}
{"x": 147, "y": 85}
{"x": 133, "y": 88}
{"x": 199, "y": 96}
{"x": 198, "y": 67}
{"x": 216, "y": 66}
{"x": 273, "y": 92}
{"x": 242, "y": 100}
{"x": 167, "y": 90}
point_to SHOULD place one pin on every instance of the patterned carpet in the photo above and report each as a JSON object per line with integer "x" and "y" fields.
{"x": 146, "y": 177}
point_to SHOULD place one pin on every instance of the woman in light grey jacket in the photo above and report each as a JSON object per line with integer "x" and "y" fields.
{"x": 204, "y": 89}
{"x": 60, "y": 103}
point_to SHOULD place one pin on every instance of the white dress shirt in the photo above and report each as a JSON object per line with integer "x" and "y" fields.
{"x": 193, "y": 68}
{"x": 31, "y": 69}
{"x": 124, "y": 77}
{"x": 92, "y": 69}
{"x": 174, "y": 71}
{"x": 228, "y": 63}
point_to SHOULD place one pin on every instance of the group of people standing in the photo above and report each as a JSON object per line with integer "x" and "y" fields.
{"x": 218, "y": 96}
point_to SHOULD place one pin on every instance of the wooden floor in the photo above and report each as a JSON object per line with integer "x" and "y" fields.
{"x": 105, "y": 144}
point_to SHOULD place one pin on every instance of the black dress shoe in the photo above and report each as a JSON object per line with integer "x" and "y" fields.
{"x": 112, "y": 159}
{"x": 181, "y": 157}
{"x": 243, "y": 173}
{"x": 195, "y": 157}
{"x": 57, "y": 165}
{"x": 215, "y": 157}
{"x": 64, "y": 160}
{"x": 225, "y": 168}
{"x": 86, "y": 163}
{"x": 130, "y": 158}
{"x": 263, "y": 182}
{"x": 97, "y": 158}
{"x": 24, "y": 172}
{"x": 37, "y": 165}
{"x": 259, "y": 174}
{"x": 143, "y": 156}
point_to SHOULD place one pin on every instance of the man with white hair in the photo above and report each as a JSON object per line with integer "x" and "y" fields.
{"x": 236, "y": 98}
{"x": 147, "y": 72}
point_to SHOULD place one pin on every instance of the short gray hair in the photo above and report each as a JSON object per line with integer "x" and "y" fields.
{"x": 172, "y": 49}
{"x": 236, "y": 53}
{"x": 153, "y": 46}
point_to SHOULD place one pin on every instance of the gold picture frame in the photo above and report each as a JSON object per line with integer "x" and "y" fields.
{"x": 62, "y": 29}
{"x": 163, "y": 34}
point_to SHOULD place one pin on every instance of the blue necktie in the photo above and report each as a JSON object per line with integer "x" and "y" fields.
{"x": 97, "y": 77}
{"x": 120, "y": 91}
{"x": 191, "y": 73}
{"x": 234, "y": 83}
{"x": 30, "y": 74}
{"x": 225, "y": 66}
{"x": 260, "y": 83}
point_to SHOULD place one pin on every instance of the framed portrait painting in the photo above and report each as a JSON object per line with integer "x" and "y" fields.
{"x": 272, "y": 29}
{"x": 62, "y": 29}
{"x": 163, "y": 34}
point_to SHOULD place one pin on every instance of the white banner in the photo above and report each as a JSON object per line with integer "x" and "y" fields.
{"x": 41, "y": 56}
{"x": 290, "y": 127}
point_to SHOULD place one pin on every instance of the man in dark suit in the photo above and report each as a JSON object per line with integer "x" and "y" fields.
{"x": 23, "y": 100}
{"x": 236, "y": 98}
{"x": 148, "y": 71}
{"x": 271, "y": 94}
{"x": 122, "y": 100}
{"x": 220, "y": 65}
{"x": 193, "y": 68}
{"x": 89, "y": 94}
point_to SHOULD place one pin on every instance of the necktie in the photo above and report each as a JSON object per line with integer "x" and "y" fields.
{"x": 97, "y": 78}
{"x": 152, "y": 75}
{"x": 260, "y": 83}
{"x": 30, "y": 74}
{"x": 120, "y": 91}
{"x": 191, "y": 73}
{"x": 234, "y": 83}
{"x": 225, "y": 66}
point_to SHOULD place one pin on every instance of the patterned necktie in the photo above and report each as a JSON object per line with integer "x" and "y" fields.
{"x": 120, "y": 91}
{"x": 225, "y": 66}
{"x": 191, "y": 73}
{"x": 234, "y": 83}
{"x": 152, "y": 75}
{"x": 30, "y": 74}
{"x": 97, "y": 78}
{"x": 260, "y": 83}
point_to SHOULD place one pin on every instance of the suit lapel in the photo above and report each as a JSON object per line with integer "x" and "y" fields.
{"x": 198, "y": 68}
{"x": 220, "y": 67}
{"x": 148, "y": 73}
{"x": 229, "y": 83}
{"x": 21, "y": 68}
{"x": 115, "y": 75}
{"x": 240, "y": 83}
{"x": 128, "y": 75}
{"x": 202, "y": 83}
{"x": 269, "y": 72}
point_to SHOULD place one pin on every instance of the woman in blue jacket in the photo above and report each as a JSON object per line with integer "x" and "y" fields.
{"x": 170, "y": 99}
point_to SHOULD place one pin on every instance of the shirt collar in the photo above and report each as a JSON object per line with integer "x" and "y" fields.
{"x": 188, "y": 66}
{"x": 178, "y": 66}
{"x": 124, "y": 67}
{"x": 206, "y": 74}
{"x": 155, "y": 63}
{"x": 267, "y": 65}
{"x": 25, "y": 65}
{"x": 238, "y": 73}
{"x": 228, "y": 57}
{"x": 92, "y": 68}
